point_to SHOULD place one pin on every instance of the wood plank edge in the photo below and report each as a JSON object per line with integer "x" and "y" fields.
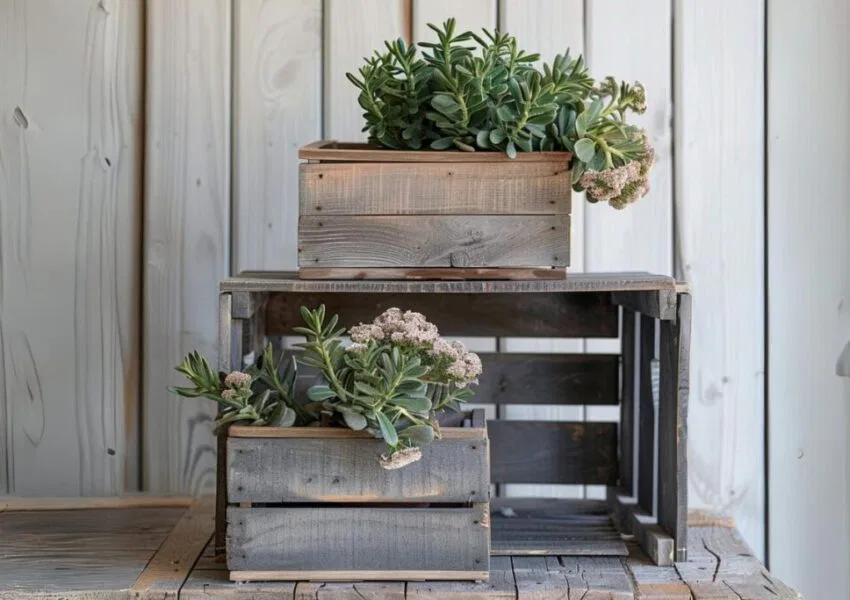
{"x": 434, "y": 273}
{"x": 324, "y": 433}
{"x": 25, "y": 504}
{"x": 355, "y": 575}
{"x": 622, "y": 507}
{"x": 657, "y": 543}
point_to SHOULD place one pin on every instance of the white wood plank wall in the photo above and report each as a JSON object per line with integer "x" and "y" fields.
{"x": 106, "y": 133}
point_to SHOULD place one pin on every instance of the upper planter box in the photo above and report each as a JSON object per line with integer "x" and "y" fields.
{"x": 367, "y": 212}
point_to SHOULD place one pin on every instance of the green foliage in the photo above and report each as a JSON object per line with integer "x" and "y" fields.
{"x": 394, "y": 390}
{"x": 471, "y": 92}
{"x": 264, "y": 395}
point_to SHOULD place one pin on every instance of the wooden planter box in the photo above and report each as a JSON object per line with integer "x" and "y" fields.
{"x": 370, "y": 213}
{"x": 314, "y": 503}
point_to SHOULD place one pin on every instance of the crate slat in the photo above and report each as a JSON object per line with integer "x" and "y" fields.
{"x": 345, "y": 470}
{"x": 319, "y": 539}
{"x": 434, "y": 189}
{"x": 552, "y": 452}
{"x": 334, "y": 151}
{"x": 547, "y": 314}
{"x": 434, "y": 241}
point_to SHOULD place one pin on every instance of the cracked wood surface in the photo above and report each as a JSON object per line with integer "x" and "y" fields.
{"x": 102, "y": 552}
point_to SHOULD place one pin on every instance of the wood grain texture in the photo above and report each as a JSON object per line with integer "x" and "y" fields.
{"x": 552, "y": 452}
{"x": 353, "y": 30}
{"x": 17, "y": 504}
{"x": 539, "y": 578}
{"x": 186, "y": 245}
{"x": 660, "y": 304}
{"x": 654, "y": 582}
{"x": 432, "y": 273}
{"x": 369, "y": 590}
{"x": 332, "y": 151}
{"x": 277, "y": 103}
{"x": 429, "y": 189}
{"x": 93, "y": 553}
{"x": 269, "y": 281}
{"x": 640, "y": 237}
{"x": 70, "y": 166}
{"x": 597, "y": 578}
{"x": 527, "y": 378}
{"x": 347, "y": 470}
{"x": 628, "y": 404}
{"x": 720, "y": 213}
{"x": 433, "y": 241}
{"x": 522, "y": 315}
{"x": 358, "y": 539}
{"x": 672, "y": 491}
{"x": 500, "y": 584}
{"x": 808, "y": 215}
{"x": 169, "y": 567}
{"x": 646, "y": 426}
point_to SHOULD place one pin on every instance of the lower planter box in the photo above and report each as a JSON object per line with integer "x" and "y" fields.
{"x": 314, "y": 503}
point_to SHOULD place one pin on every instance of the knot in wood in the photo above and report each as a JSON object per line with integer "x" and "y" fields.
{"x": 459, "y": 259}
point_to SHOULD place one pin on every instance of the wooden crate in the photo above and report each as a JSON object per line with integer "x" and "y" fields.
{"x": 314, "y": 503}
{"x": 647, "y": 488}
{"x": 391, "y": 214}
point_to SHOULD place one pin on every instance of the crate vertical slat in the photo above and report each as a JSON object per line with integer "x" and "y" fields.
{"x": 646, "y": 423}
{"x": 385, "y": 211}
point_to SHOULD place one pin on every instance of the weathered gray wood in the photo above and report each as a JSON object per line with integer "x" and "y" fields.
{"x": 535, "y": 315}
{"x": 539, "y": 578}
{"x": 169, "y": 567}
{"x": 307, "y": 590}
{"x": 646, "y": 431}
{"x": 547, "y": 379}
{"x": 206, "y": 584}
{"x": 546, "y": 526}
{"x": 654, "y": 582}
{"x": 660, "y": 304}
{"x": 336, "y": 151}
{"x": 622, "y": 506}
{"x": 627, "y": 403}
{"x": 432, "y": 273}
{"x": 658, "y": 544}
{"x": 434, "y": 241}
{"x": 434, "y": 189}
{"x": 285, "y": 539}
{"x": 673, "y": 426}
{"x": 597, "y": 578}
{"x": 552, "y": 452}
{"x": 79, "y": 554}
{"x": 282, "y": 281}
{"x": 500, "y": 584}
{"x": 345, "y": 470}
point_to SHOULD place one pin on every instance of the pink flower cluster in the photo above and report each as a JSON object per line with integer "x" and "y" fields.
{"x": 465, "y": 366}
{"x": 397, "y": 327}
{"x": 237, "y": 379}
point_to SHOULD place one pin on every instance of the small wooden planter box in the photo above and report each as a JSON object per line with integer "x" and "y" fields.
{"x": 314, "y": 503}
{"x": 368, "y": 213}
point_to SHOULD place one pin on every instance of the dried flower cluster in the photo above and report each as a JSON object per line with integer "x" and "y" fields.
{"x": 392, "y": 381}
{"x": 471, "y": 92}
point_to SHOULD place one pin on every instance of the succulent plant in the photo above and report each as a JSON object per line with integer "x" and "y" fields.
{"x": 471, "y": 92}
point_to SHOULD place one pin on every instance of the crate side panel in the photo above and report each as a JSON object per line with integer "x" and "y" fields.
{"x": 552, "y": 452}
{"x": 434, "y": 188}
{"x": 339, "y": 470}
{"x": 434, "y": 241}
{"x": 545, "y": 314}
{"x": 369, "y": 539}
{"x": 530, "y": 378}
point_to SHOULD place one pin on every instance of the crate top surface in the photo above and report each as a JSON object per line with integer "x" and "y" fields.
{"x": 333, "y": 151}
{"x": 286, "y": 281}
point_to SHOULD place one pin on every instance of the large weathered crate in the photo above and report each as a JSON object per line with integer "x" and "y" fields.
{"x": 640, "y": 457}
{"x": 368, "y": 213}
{"x": 314, "y": 503}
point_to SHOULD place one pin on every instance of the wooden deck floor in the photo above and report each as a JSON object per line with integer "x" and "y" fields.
{"x": 159, "y": 548}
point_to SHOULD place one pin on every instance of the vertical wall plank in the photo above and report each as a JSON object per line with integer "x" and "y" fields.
{"x": 809, "y": 283}
{"x": 631, "y": 40}
{"x": 720, "y": 249}
{"x": 277, "y": 103}
{"x": 70, "y": 178}
{"x": 186, "y": 245}
{"x": 354, "y": 30}
{"x": 549, "y": 27}
{"x": 470, "y": 14}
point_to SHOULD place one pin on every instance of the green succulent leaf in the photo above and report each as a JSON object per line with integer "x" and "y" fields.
{"x": 585, "y": 149}
{"x": 387, "y": 429}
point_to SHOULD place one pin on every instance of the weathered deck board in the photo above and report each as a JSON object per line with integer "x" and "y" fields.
{"x": 99, "y": 553}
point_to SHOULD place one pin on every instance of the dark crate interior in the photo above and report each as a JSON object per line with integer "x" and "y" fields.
{"x": 633, "y": 308}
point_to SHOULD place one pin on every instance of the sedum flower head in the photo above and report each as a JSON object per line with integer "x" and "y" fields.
{"x": 237, "y": 379}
